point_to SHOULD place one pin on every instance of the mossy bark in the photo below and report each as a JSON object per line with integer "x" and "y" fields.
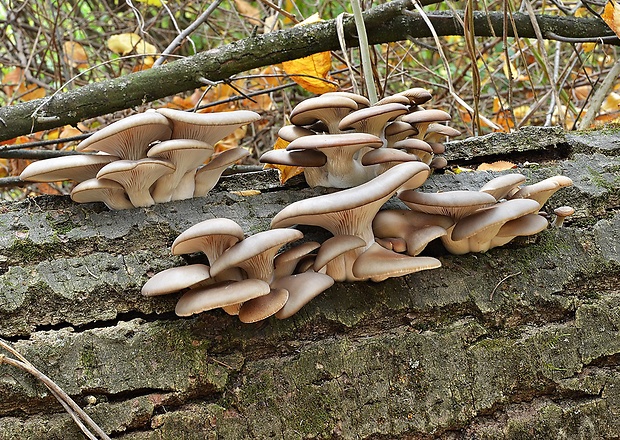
{"x": 518, "y": 342}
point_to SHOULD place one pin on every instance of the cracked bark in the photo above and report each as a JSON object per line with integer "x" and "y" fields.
{"x": 424, "y": 356}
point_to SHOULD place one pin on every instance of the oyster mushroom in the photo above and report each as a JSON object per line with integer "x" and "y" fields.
{"x": 263, "y": 306}
{"x": 79, "y": 167}
{"x": 302, "y": 288}
{"x": 136, "y": 176}
{"x": 176, "y": 279}
{"x": 351, "y": 211}
{"x": 101, "y": 190}
{"x": 206, "y": 127}
{"x": 328, "y": 109}
{"x": 130, "y": 137}
{"x": 208, "y": 175}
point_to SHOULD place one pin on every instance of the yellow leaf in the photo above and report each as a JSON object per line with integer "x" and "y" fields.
{"x": 588, "y": 47}
{"x": 249, "y": 11}
{"x": 285, "y": 171}
{"x": 15, "y": 85}
{"x": 247, "y": 192}
{"x": 611, "y": 16}
{"x": 611, "y": 103}
{"x": 125, "y": 43}
{"x": 74, "y": 54}
{"x": 500, "y": 165}
{"x": 311, "y": 72}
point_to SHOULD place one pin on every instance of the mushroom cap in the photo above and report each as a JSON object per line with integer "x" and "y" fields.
{"x": 350, "y": 211}
{"x": 285, "y": 262}
{"x": 256, "y": 253}
{"x": 78, "y": 167}
{"x": 372, "y": 119}
{"x": 136, "y": 176}
{"x": 334, "y": 247}
{"x": 399, "y": 130}
{"x": 455, "y": 204}
{"x": 379, "y": 263}
{"x": 130, "y": 137}
{"x": 302, "y": 289}
{"x": 485, "y": 223}
{"x": 291, "y": 132}
{"x": 387, "y": 155}
{"x": 435, "y": 132}
{"x": 220, "y": 294}
{"x": 529, "y": 224}
{"x": 501, "y": 186}
{"x": 400, "y": 99}
{"x": 361, "y": 100}
{"x": 101, "y": 190}
{"x": 564, "y": 211}
{"x": 323, "y": 142}
{"x": 300, "y": 158}
{"x": 438, "y": 163}
{"x": 426, "y": 116}
{"x": 176, "y": 279}
{"x": 264, "y": 306}
{"x": 206, "y": 127}
{"x": 326, "y": 108}
{"x": 208, "y": 175}
{"x": 541, "y": 191}
{"x": 212, "y": 237}
{"x": 413, "y": 144}
{"x": 417, "y": 95}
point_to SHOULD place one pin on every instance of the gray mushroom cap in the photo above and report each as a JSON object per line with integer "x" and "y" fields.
{"x": 212, "y": 237}
{"x": 372, "y": 119}
{"x": 300, "y": 158}
{"x": 455, "y": 204}
{"x": 222, "y": 294}
{"x": 263, "y": 306}
{"x": 130, "y": 137}
{"x": 328, "y": 109}
{"x": 417, "y": 95}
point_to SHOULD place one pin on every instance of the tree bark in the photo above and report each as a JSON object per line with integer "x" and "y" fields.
{"x": 385, "y": 23}
{"x": 518, "y": 342}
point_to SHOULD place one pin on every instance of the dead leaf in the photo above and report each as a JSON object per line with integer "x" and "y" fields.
{"x": 311, "y": 72}
{"x": 248, "y": 11}
{"x": 74, "y": 55}
{"x": 247, "y": 192}
{"x": 500, "y": 165}
{"x": 15, "y": 86}
{"x": 611, "y": 16}
{"x": 285, "y": 171}
{"x": 128, "y": 42}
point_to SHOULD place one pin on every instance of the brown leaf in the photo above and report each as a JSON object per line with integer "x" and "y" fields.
{"x": 500, "y": 165}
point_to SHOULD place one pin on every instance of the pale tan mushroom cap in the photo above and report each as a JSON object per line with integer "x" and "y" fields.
{"x": 79, "y": 167}
{"x": 455, "y": 204}
{"x": 543, "y": 190}
{"x": 101, "y": 190}
{"x": 256, "y": 253}
{"x": 372, "y": 119}
{"x": 426, "y": 116}
{"x": 417, "y": 95}
{"x": 264, "y": 306}
{"x": 501, "y": 186}
{"x": 300, "y": 158}
{"x": 285, "y": 262}
{"x": 207, "y": 127}
{"x": 335, "y": 246}
{"x": 378, "y": 264}
{"x": 212, "y": 237}
{"x": 176, "y": 279}
{"x": 130, "y": 137}
{"x": 302, "y": 289}
{"x": 528, "y": 224}
{"x": 225, "y": 293}
{"x": 326, "y": 108}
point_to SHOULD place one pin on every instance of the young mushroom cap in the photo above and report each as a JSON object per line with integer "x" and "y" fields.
{"x": 264, "y": 306}
{"x": 302, "y": 289}
{"x": 417, "y": 95}
{"x": 208, "y": 175}
{"x": 285, "y": 262}
{"x": 211, "y": 237}
{"x": 386, "y": 156}
{"x": 207, "y": 127}
{"x": 291, "y": 132}
{"x": 130, "y": 137}
{"x": 361, "y": 100}
{"x": 136, "y": 176}
{"x": 455, "y": 204}
{"x": 186, "y": 155}
{"x": 328, "y": 109}
{"x": 337, "y": 256}
{"x": 350, "y": 212}
{"x": 397, "y": 131}
{"x": 101, "y": 190}
{"x": 222, "y": 294}
{"x": 426, "y": 116}
{"x": 79, "y": 167}
{"x": 378, "y": 264}
{"x": 501, "y": 186}
{"x": 400, "y": 99}
{"x": 561, "y": 213}
{"x": 176, "y": 279}
{"x": 437, "y": 132}
{"x": 256, "y": 253}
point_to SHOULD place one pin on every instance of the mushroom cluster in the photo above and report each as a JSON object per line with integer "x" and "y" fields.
{"x": 247, "y": 277}
{"x": 252, "y": 277}
{"x": 472, "y": 221}
{"x": 147, "y": 158}
{"x": 342, "y": 141}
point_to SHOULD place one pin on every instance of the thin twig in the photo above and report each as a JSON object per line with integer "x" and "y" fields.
{"x": 599, "y": 96}
{"x": 58, "y": 392}
{"x": 501, "y": 281}
{"x": 369, "y": 80}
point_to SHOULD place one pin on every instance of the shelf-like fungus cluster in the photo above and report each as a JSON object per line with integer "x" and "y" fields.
{"x": 342, "y": 140}
{"x": 253, "y": 278}
{"x": 147, "y": 158}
